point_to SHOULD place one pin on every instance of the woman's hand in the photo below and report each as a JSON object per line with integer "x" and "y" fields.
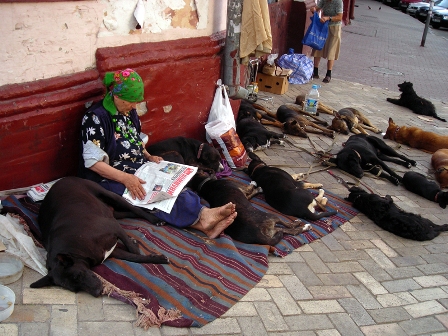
{"x": 134, "y": 186}
{"x": 155, "y": 158}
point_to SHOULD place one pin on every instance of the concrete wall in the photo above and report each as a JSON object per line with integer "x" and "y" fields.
{"x": 48, "y": 39}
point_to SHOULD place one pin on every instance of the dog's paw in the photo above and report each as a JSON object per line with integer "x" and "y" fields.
{"x": 324, "y": 201}
{"x": 281, "y": 143}
{"x": 298, "y": 177}
{"x": 253, "y": 183}
{"x": 414, "y": 163}
{"x": 307, "y": 227}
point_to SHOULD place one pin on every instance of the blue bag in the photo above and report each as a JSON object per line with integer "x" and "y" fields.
{"x": 317, "y": 33}
{"x": 301, "y": 66}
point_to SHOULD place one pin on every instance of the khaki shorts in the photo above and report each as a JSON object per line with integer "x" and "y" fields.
{"x": 332, "y": 45}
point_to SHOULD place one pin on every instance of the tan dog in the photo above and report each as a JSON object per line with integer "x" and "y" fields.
{"x": 439, "y": 162}
{"x": 321, "y": 107}
{"x": 350, "y": 119}
{"x": 415, "y": 137}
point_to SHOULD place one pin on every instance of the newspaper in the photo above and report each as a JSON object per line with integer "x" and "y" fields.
{"x": 164, "y": 182}
{"x": 37, "y": 193}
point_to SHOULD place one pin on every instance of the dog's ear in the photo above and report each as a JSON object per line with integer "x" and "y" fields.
{"x": 389, "y": 199}
{"x": 65, "y": 260}
{"x": 43, "y": 282}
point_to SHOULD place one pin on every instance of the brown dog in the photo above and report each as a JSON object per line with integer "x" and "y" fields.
{"x": 350, "y": 119}
{"x": 415, "y": 137}
{"x": 321, "y": 107}
{"x": 439, "y": 162}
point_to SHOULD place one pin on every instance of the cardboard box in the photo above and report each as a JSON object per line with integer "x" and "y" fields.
{"x": 272, "y": 84}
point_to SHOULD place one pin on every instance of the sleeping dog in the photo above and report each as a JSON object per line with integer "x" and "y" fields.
{"x": 363, "y": 152}
{"x": 420, "y": 185}
{"x": 189, "y": 151}
{"x": 79, "y": 229}
{"x": 384, "y": 213}
{"x": 284, "y": 193}
{"x": 251, "y": 226}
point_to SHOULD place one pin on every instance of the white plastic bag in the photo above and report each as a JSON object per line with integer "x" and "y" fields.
{"x": 221, "y": 129}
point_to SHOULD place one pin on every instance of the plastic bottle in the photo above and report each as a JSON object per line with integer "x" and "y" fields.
{"x": 312, "y": 100}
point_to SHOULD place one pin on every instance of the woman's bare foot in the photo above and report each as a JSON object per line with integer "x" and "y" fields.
{"x": 213, "y": 221}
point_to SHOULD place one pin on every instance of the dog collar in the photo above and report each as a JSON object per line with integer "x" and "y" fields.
{"x": 202, "y": 183}
{"x": 357, "y": 154}
{"x": 200, "y": 151}
{"x": 257, "y": 166}
{"x": 440, "y": 170}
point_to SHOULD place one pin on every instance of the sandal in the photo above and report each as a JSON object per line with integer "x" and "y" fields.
{"x": 327, "y": 79}
{"x": 316, "y": 77}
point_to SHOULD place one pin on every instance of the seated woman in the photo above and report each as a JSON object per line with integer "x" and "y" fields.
{"x": 112, "y": 150}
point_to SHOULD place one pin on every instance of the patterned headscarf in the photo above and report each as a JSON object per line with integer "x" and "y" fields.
{"x": 125, "y": 84}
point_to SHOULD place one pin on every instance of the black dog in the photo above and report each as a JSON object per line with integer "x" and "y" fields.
{"x": 79, "y": 231}
{"x": 412, "y": 101}
{"x": 254, "y": 136}
{"x": 420, "y": 185}
{"x": 364, "y": 152}
{"x": 189, "y": 151}
{"x": 384, "y": 213}
{"x": 251, "y": 226}
{"x": 284, "y": 193}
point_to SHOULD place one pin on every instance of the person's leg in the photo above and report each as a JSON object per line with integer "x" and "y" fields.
{"x": 328, "y": 74}
{"x": 189, "y": 212}
{"x": 316, "y": 67}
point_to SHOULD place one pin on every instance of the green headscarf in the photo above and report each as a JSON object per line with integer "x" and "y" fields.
{"x": 125, "y": 84}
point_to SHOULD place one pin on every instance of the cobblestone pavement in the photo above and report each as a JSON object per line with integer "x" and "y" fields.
{"x": 358, "y": 280}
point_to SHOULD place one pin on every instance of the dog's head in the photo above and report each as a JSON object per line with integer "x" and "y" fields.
{"x": 406, "y": 87}
{"x": 72, "y": 274}
{"x": 391, "y": 129}
{"x": 198, "y": 180}
{"x": 293, "y": 127}
{"x": 338, "y": 124}
{"x": 254, "y": 163}
{"x": 349, "y": 160}
{"x": 209, "y": 158}
{"x": 355, "y": 193}
{"x": 246, "y": 110}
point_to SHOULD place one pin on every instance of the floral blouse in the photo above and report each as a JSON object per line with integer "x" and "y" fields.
{"x": 129, "y": 151}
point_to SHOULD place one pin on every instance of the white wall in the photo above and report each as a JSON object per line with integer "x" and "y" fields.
{"x": 44, "y": 40}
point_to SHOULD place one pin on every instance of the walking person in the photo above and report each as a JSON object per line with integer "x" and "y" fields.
{"x": 331, "y": 10}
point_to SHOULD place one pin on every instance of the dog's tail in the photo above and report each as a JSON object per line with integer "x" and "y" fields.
{"x": 437, "y": 117}
{"x": 441, "y": 228}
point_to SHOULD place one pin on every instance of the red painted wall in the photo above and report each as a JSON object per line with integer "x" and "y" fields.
{"x": 40, "y": 121}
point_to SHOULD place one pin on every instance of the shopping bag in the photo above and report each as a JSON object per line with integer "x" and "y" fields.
{"x": 301, "y": 66}
{"x": 221, "y": 108}
{"x": 317, "y": 33}
{"x": 225, "y": 139}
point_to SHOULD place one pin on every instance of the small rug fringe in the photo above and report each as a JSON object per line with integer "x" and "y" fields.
{"x": 145, "y": 317}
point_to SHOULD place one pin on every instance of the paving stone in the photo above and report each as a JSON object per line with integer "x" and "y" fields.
{"x": 397, "y": 299}
{"x": 431, "y": 280}
{"x": 375, "y": 270}
{"x": 425, "y": 308}
{"x": 383, "y": 329}
{"x": 404, "y": 272}
{"x": 380, "y": 258}
{"x": 437, "y": 248}
{"x": 170, "y": 331}
{"x": 443, "y": 318}
{"x": 364, "y": 297}
{"x": 308, "y": 322}
{"x": 338, "y": 279}
{"x": 284, "y": 301}
{"x": 64, "y": 320}
{"x": 357, "y": 244}
{"x": 356, "y": 311}
{"x": 218, "y": 327}
{"x": 257, "y": 294}
{"x": 427, "y": 294}
{"x": 119, "y": 313}
{"x": 320, "y": 306}
{"x": 279, "y": 269}
{"x": 412, "y": 251}
{"x": 441, "y": 258}
{"x": 314, "y": 262}
{"x": 420, "y": 326}
{"x": 296, "y": 287}
{"x": 351, "y": 255}
{"x": 241, "y": 309}
{"x": 305, "y": 274}
{"x": 370, "y": 283}
{"x": 400, "y": 285}
{"x": 269, "y": 281}
{"x": 329, "y": 292}
{"x": 90, "y": 308}
{"x": 9, "y": 329}
{"x": 408, "y": 261}
{"x": 387, "y": 315}
{"x": 271, "y": 316}
{"x": 325, "y": 254}
{"x": 386, "y": 249}
{"x": 31, "y": 328}
{"x": 54, "y": 296}
{"x": 344, "y": 324}
{"x": 437, "y": 268}
{"x": 328, "y": 332}
{"x": 30, "y": 313}
{"x": 345, "y": 266}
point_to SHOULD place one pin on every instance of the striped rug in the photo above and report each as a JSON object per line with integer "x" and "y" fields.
{"x": 205, "y": 278}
